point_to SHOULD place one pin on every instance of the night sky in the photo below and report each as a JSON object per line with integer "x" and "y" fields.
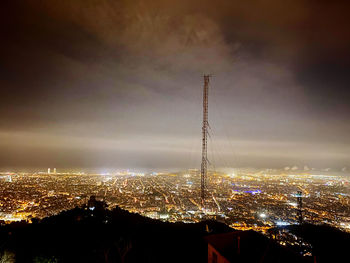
{"x": 107, "y": 84}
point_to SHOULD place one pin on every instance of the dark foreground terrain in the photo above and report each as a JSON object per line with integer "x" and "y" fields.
{"x": 96, "y": 234}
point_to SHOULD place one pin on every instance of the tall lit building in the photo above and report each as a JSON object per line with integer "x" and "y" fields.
{"x": 54, "y": 170}
{"x": 48, "y": 170}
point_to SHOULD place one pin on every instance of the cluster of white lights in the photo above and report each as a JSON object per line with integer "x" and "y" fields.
{"x": 263, "y": 215}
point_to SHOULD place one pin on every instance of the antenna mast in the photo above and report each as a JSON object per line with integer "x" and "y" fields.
{"x": 299, "y": 196}
{"x": 204, "y": 139}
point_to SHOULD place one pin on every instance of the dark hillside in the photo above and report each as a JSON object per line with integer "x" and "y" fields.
{"x": 329, "y": 244}
{"x": 96, "y": 234}
{"x": 82, "y": 235}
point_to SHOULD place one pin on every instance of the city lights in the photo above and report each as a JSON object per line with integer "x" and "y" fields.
{"x": 254, "y": 200}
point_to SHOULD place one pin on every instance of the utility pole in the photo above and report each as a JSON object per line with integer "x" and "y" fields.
{"x": 299, "y": 196}
{"x": 204, "y": 164}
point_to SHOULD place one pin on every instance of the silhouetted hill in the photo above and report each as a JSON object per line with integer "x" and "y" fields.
{"x": 329, "y": 244}
{"x": 82, "y": 235}
{"x": 103, "y": 235}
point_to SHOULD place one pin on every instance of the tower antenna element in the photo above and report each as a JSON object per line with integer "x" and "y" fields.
{"x": 205, "y": 125}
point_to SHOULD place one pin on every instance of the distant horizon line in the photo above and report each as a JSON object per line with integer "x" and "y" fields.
{"x": 165, "y": 170}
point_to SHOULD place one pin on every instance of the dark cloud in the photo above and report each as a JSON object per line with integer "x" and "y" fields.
{"x": 113, "y": 83}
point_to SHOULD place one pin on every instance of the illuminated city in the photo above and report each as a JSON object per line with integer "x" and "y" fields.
{"x": 244, "y": 198}
{"x": 167, "y": 131}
